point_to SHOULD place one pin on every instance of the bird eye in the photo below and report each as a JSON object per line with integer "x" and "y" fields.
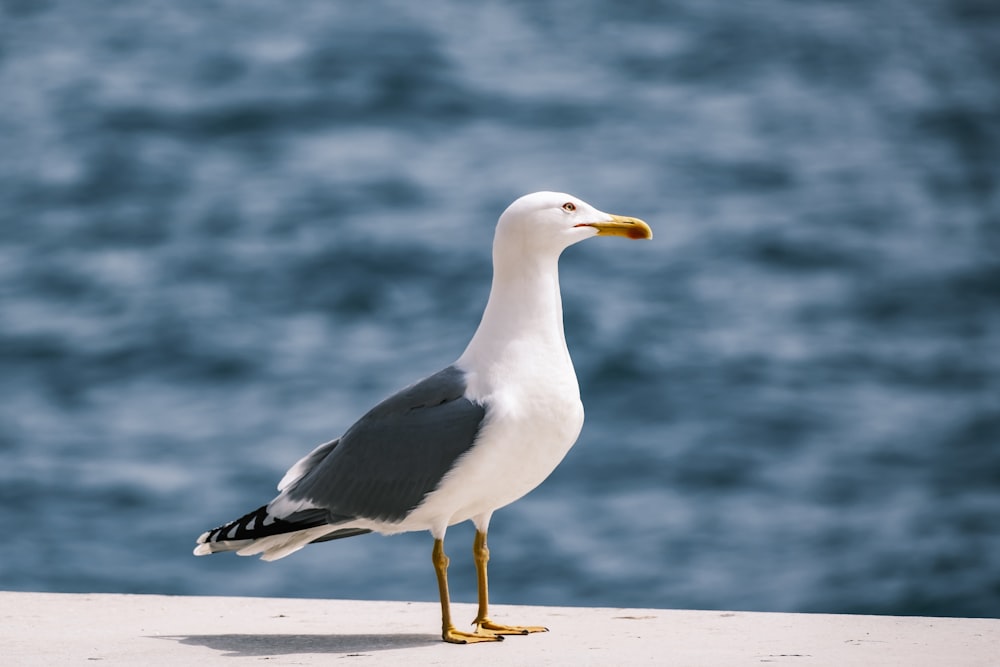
{"x": 569, "y": 207}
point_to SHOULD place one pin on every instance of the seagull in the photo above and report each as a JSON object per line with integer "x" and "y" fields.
{"x": 463, "y": 442}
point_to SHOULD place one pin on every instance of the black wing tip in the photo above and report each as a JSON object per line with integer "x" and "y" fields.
{"x": 257, "y": 524}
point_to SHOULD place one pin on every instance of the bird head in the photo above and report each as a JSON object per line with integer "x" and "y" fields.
{"x": 553, "y": 221}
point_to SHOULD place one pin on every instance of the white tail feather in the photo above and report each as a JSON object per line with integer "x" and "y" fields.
{"x": 274, "y": 547}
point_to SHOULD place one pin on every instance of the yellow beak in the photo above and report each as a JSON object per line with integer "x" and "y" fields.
{"x": 620, "y": 225}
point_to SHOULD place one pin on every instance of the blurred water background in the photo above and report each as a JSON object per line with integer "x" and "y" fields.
{"x": 229, "y": 227}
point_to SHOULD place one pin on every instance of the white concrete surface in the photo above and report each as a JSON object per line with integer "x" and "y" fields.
{"x": 149, "y": 630}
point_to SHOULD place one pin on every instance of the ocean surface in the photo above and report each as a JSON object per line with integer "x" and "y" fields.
{"x": 228, "y": 228}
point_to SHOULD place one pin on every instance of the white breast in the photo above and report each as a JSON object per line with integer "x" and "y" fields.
{"x": 533, "y": 417}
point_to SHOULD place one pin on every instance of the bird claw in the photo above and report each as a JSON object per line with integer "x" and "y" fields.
{"x": 496, "y": 628}
{"x": 453, "y": 636}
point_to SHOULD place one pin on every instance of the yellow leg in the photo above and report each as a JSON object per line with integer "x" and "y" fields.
{"x": 481, "y": 555}
{"x": 448, "y": 631}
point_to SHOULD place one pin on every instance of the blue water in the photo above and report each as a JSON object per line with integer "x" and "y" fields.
{"x": 228, "y": 228}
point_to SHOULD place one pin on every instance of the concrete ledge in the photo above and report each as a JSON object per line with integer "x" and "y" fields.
{"x": 63, "y": 629}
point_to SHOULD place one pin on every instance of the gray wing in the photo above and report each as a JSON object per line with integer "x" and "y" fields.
{"x": 385, "y": 464}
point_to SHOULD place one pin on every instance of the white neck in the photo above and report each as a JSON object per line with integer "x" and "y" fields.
{"x": 523, "y": 317}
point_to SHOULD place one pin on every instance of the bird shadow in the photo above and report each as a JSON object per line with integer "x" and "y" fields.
{"x": 242, "y": 645}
